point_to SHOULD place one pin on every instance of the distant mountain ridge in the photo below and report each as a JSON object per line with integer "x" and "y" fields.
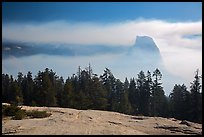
{"x": 145, "y": 49}
{"x": 144, "y": 45}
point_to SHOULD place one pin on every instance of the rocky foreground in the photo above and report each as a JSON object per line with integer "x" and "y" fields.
{"x": 66, "y": 121}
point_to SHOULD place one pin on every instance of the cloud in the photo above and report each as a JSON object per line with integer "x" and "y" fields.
{"x": 182, "y": 55}
{"x": 121, "y": 33}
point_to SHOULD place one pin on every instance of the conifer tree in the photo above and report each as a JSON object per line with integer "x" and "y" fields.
{"x": 196, "y": 98}
{"x": 157, "y": 96}
{"x": 133, "y": 96}
{"x": 179, "y": 102}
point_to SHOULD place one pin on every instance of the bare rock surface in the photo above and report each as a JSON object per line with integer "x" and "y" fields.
{"x": 66, "y": 121}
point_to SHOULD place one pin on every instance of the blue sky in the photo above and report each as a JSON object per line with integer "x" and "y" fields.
{"x": 100, "y": 11}
{"x": 175, "y": 27}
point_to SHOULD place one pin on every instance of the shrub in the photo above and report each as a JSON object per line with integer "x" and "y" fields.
{"x": 10, "y": 110}
{"x": 3, "y": 110}
{"x": 20, "y": 114}
{"x": 38, "y": 114}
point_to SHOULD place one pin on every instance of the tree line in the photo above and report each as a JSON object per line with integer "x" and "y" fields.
{"x": 143, "y": 95}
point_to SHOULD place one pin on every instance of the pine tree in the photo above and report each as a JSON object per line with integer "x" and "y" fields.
{"x": 85, "y": 85}
{"x": 125, "y": 106}
{"x": 20, "y": 78}
{"x": 38, "y": 94}
{"x": 144, "y": 89}
{"x": 109, "y": 82}
{"x": 141, "y": 92}
{"x": 157, "y": 96}
{"x": 98, "y": 95}
{"x": 196, "y": 99}
{"x": 5, "y": 88}
{"x": 16, "y": 93}
{"x": 148, "y": 90}
{"x": 28, "y": 89}
{"x": 48, "y": 88}
{"x": 133, "y": 96}
{"x": 67, "y": 97}
{"x": 59, "y": 90}
{"x": 21, "y": 83}
{"x": 116, "y": 99}
{"x": 179, "y": 102}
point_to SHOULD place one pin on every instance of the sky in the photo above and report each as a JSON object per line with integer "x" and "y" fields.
{"x": 101, "y": 11}
{"x": 176, "y": 28}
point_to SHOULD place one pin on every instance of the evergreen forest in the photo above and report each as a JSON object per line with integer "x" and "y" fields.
{"x": 143, "y": 95}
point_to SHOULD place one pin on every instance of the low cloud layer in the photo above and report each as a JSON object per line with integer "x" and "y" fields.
{"x": 181, "y": 53}
{"x": 121, "y": 33}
